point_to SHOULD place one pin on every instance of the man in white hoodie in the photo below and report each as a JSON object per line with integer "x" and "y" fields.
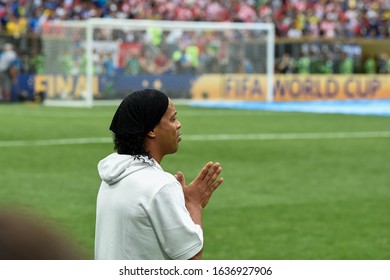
{"x": 144, "y": 212}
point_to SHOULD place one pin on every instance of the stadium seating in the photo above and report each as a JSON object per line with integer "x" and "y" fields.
{"x": 292, "y": 18}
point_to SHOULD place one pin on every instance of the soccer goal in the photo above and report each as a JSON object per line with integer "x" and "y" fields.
{"x": 103, "y": 60}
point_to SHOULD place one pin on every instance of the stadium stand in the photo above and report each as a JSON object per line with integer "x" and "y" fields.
{"x": 293, "y": 18}
{"x": 21, "y": 24}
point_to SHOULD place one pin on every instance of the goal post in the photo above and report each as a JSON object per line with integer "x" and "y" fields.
{"x": 104, "y": 59}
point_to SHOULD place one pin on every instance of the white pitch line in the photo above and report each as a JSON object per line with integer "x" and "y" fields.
{"x": 289, "y": 136}
{"x": 216, "y": 137}
{"x": 52, "y": 142}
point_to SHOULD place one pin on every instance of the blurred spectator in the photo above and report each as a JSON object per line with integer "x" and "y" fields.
{"x": 36, "y": 63}
{"x": 312, "y": 23}
{"x": 346, "y": 64}
{"x": 7, "y": 58}
{"x": 67, "y": 63}
{"x": 209, "y": 60}
{"x": 108, "y": 65}
{"x": 294, "y": 31}
{"x": 182, "y": 62}
{"x": 161, "y": 63}
{"x": 26, "y": 236}
{"x": 16, "y": 26}
{"x": 285, "y": 64}
{"x": 146, "y": 61}
{"x": 326, "y": 63}
{"x": 246, "y": 64}
{"x": 97, "y": 59}
{"x": 303, "y": 63}
{"x": 15, "y": 69}
{"x": 132, "y": 64}
{"x": 192, "y": 53}
{"x": 227, "y": 61}
{"x": 384, "y": 63}
{"x": 370, "y": 65}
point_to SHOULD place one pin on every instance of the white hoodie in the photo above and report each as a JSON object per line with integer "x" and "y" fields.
{"x": 141, "y": 212}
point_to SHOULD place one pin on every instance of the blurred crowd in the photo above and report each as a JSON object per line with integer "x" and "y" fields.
{"x": 330, "y": 63}
{"x": 293, "y": 18}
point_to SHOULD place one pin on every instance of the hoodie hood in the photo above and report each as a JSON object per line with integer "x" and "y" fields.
{"x": 115, "y": 167}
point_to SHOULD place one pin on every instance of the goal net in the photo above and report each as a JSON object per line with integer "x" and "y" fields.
{"x": 106, "y": 59}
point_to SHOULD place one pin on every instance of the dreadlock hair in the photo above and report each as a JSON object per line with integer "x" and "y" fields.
{"x": 131, "y": 145}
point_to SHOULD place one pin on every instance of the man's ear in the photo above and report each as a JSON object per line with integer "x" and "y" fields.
{"x": 151, "y": 134}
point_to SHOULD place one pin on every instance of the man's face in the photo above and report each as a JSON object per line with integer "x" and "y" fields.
{"x": 168, "y": 131}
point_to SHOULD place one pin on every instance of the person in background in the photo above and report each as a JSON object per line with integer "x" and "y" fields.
{"x": 383, "y": 63}
{"x": 209, "y": 60}
{"x": 161, "y": 63}
{"x": 28, "y": 236}
{"x": 7, "y": 58}
{"x": 285, "y": 64}
{"x": 346, "y": 64}
{"x": 146, "y": 62}
{"x": 142, "y": 211}
{"x": 36, "y": 63}
{"x": 132, "y": 64}
{"x": 15, "y": 70}
{"x": 302, "y": 64}
{"x": 108, "y": 65}
{"x": 182, "y": 62}
{"x": 326, "y": 63}
{"x": 370, "y": 65}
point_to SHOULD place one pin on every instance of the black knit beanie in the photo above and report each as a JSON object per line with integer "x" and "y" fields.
{"x": 139, "y": 113}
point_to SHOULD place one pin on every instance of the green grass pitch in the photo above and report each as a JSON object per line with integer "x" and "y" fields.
{"x": 283, "y": 198}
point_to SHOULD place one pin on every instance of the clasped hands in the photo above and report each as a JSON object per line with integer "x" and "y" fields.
{"x": 198, "y": 192}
